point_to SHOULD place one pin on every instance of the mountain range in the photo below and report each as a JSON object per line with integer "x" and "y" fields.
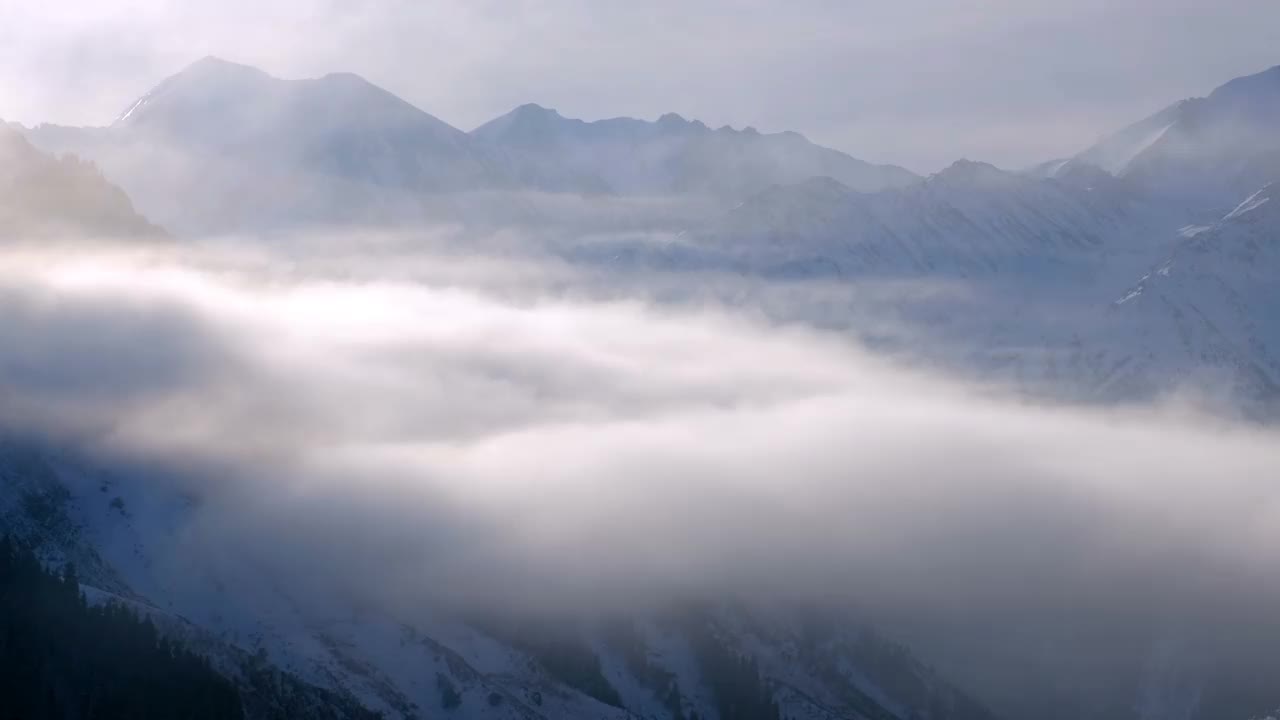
{"x": 1139, "y": 264}
{"x": 1207, "y": 152}
{"x": 1076, "y": 241}
{"x": 671, "y": 155}
{"x": 221, "y": 147}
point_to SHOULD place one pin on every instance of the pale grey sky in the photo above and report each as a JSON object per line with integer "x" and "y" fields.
{"x": 915, "y": 82}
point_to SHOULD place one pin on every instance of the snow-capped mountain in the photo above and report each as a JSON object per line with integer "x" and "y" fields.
{"x": 1207, "y": 152}
{"x": 1065, "y": 241}
{"x": 1208, "y": 309}
{"x": 1201, "y": 308}
{"x": 1114, "y": 152}
{"x": 970, "y": 220}
{"x": 1218, "y": 149}
{"x": 671, "y": 155}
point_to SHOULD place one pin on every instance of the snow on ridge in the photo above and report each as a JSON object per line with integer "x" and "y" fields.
{"x": 1057, "y": 167}
{"x": 1131, "y": 295}
{"x": 1253, "y": 202}
{"x": 1117, "y": 165}
{"x": 132, "y": 108}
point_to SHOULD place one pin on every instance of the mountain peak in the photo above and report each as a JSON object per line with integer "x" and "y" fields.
{"x": 677, "y": 123}
{"x": 218, "y": 101}
{"x": 1267, "y": 81}
{"x": 972, "y": 171}
{"x": 528, "y": 124}
{"x": 208, "y": 80}
{"x": 213, "y": 66}
{"x": 345, "y": 77}
{"x": 534, "y": 110}
{"x": 213, "y": 61}
{"x": 1209, "y": 150}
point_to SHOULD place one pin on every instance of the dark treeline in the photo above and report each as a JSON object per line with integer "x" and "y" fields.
{"x": 63, "y": 659}
{"x": 740, "y": 691}
{"x": 558, "y": 650}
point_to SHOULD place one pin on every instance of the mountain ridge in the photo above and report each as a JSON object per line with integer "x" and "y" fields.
{"x": 674, "y": 154}
{"x": 225, "y": 147}
{"x": 1203, "y": 152}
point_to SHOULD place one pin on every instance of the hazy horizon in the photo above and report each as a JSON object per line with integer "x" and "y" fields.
{"x": 947, "y": 87}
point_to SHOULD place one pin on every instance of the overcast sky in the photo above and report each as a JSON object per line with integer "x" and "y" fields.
{"x": 914, "y": 82}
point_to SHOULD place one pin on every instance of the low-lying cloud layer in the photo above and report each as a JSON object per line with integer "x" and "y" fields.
{"x": 431, "y": 438}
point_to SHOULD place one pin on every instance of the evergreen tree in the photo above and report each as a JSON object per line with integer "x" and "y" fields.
{"x": 740, "y": 691}
{"x": 63, "y": 659}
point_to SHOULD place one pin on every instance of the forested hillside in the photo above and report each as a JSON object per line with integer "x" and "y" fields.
{"x": 46, "y": 196}
{"x": 63, "y": 659}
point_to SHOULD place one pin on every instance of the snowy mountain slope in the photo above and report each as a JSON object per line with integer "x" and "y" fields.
{"x": 1219, "y": 149}
{"x": 1114, "y": 152}
{"x": 970, "y": 220}
{"x": 1038, "y": 262}
{"x": 61, "y": 510}
{"x": 133, "y": 542}
{"x": 673, "y": 155}
{"x": 1210, "y": 307}
{"x": 1201, "y": 152}
{"x": 1043, "y": 257}
{"x": 1044, "y": 273}
{"x": 1199, "y": 316}
{"x": 135, "y": 539}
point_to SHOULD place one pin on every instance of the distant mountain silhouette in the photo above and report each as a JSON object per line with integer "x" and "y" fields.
{"x": 41, "y": 195}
